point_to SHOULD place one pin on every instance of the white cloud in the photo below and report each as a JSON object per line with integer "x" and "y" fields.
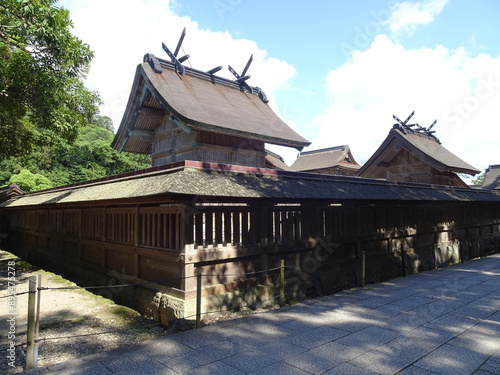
{"x": 121, "y": 32}
{"x": 460, "y": 91}
{"x": 406, "y": 15}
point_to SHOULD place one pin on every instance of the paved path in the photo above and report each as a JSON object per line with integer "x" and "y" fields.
{"x": 445, "y": 321}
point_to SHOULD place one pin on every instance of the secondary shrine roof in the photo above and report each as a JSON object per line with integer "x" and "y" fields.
{"x": 421, "y": 144}
{"x": 492, "y": 177}
{"x": 325, "y": 158}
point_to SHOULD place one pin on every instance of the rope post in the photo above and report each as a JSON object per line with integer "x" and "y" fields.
{"x": 37, "y": 319}
{"x": 363, "y": 268}
{"x": 282, "y": 283}
{"x": 198, "y": 298}
{"x": 30, "y": 351}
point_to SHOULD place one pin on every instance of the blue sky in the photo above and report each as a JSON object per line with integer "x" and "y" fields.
{"x": 336, "y": 71}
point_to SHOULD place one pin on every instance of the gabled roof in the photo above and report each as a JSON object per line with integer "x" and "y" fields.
{"x": 197, "y": 100}
{"x": 325, "y": 158}
{"x": 424, "y": 147}
{"x": 8, "y": 192}
{"x": 275, "y": 161}
{"x": 492, "y": 177}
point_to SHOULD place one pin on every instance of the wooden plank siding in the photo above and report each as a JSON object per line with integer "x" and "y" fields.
{"x": 142, "y": 242}
{"x": 165, "y": 243}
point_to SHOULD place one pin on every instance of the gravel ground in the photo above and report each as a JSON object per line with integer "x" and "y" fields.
{"x": 73, "y": 322}
{"x": 69, "y": 319}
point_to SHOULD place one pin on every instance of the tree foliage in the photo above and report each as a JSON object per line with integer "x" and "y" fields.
{"x": 42, "y": 66}
{"x": 479, "y": 179}
{"x": 29, "y": 182}
{"x": 89, "y": 157}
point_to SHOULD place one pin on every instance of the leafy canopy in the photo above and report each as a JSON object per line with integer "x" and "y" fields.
{"x": 29, "y": 182}
{"x": 42, "y": 67}
{"x": 89, "y": 157}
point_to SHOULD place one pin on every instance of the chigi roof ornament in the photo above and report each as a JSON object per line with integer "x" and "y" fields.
{"x": 415, "y": 128}
{"x": 173, "y": 56}
{"x": 240, "y": 79}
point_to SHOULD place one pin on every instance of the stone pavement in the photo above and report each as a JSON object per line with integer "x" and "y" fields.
{"x": 445, "y": 321}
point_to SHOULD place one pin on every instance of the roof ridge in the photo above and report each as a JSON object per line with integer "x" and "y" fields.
{"x": 408, "y": 129}
{"x": 158, "y": 63}
{"x": 343, "y": 147}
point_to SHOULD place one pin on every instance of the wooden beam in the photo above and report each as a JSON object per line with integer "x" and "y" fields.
{"x": 153, "y": 113}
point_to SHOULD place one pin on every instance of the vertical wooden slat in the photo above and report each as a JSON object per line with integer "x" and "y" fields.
{"x": 130, "y": 230}
{"x": 209, "y": 239}
{"x": 105, "y": 224}
{"x": 80, "y": 225}
{"x": 297, "y": 223}
{"x": 120, "y": 234}
{"x": 277, "y": 226}
{"x": 244, "y": 227}
{"x": 188, "y": 223}
{"x": 291, "y": 221}
{"x": 136, "y": 227}
{"x": 149, "y": 226}
{"x": 165, "y": 230}
{"x": 284, "y": 225}
{"x": 177, "y": 231}
{"x": 218, "y": 228}
{"x": 227, "y": 228}
{"x": 236, "y": 228}
{"x": 154, "y": 218}
{"x": 171, "y": 219}
{"x": 269, "y": 225}
{"x": 254, "y": 226}
{"x": 199, "y": 230}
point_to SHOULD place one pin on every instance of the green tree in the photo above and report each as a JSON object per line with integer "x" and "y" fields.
{"x": 42, "y": 67}
{"x": 29, "y": 182}
{"x": 479, "y": 179}
{"x": 89, "y": 157}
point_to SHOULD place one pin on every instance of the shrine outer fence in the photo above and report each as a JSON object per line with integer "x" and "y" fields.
{"x": 156, "y": 228}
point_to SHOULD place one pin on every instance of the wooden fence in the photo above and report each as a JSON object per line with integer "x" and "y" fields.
{"x": 165, "y": 243}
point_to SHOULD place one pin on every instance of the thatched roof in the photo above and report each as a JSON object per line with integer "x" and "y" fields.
{"x": 219, "y": 183}
{"x": 275, "y": 161}
{"x": 492, "y": 177}
{"x": 426, "y": 148}
{"x": 197, "y": 100}
{"x": 339, "y": 156}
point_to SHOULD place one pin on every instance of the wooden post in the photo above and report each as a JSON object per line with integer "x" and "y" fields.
{"x": 37, "y": 321}
{"x": 30, "y": 351}
{"x": 198, "y": 298}
{"x": 435, "y": 256}
{"x": 363, "y": 268}
{"x": 282, "y": 283}
{"x": 403, "y": 260}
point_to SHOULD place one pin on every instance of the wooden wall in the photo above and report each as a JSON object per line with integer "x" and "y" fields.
{"x": 229, "y": 241}
{"x": 321, "y": 244}
{"x": 142, "y": 242}
{"x": 172, "y": 144}
{"x": 406, "y": 167}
